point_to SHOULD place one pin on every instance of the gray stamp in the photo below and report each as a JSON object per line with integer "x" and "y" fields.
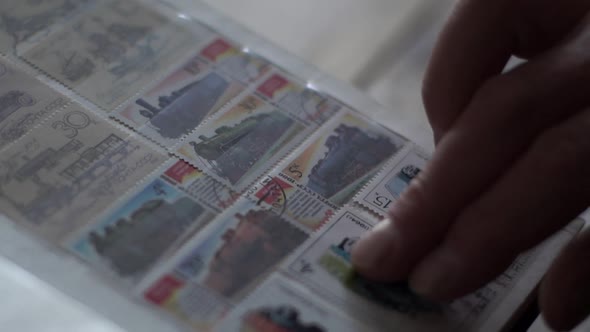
{"x": 65, "y": 172}
{"x": 109, "y": 54}
{"x": 24, "y": 102}
{"x": 23, "y": 22}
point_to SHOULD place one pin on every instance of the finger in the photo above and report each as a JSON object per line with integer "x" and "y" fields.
{"x": 565, "y": 291}
{"x": 502, "y": 121}
{"x": 543, "y": 23}
{"x": 475, "y": 45}
{"x": 544, "y": 190}
{"x": 477, "y": 42}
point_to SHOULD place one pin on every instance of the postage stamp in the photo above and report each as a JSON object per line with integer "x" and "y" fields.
{"x": 180, "y": 102}
{"x": 59, "y": 176}
{"x": 24, "y": 102}
{"x": 240, "y": 143}
{"x": 324, "y": 263}
{"x": 143, "y": 229}
{"x": 230, "y": 257}
{"x": 387, "y": 187}
{"x": 282, "y": 305}
{"x": 188, "y": 302}
{"x": 113, "y": 51}
{"x": 199, "y": 185}
{"x": 299, "y": 99}
{"x": 338, "y": 161}
{"x": 240, "y": 64}
{"x": 292, "y": 200}
{"x": 237, "y": 250}
{"x": 162, "y": 95}
{"x": 28, "y": 21}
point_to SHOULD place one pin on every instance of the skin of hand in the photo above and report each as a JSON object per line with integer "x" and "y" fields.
{"x": 511, "y": 164}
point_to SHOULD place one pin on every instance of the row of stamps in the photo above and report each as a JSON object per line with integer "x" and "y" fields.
{"x": 327, "y": 170}
{"x": 177, "y": 104}
{"x": 152, "y": 221}
{"x": 128, "y": 44}
{"x": 226, "y": 276}
{"x": 109, "y": 53}
{"x": 256, "y": 130}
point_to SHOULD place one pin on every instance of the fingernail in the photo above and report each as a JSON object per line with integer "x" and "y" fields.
{"x": 371, "y": 249}
{"x": 438, "y": 275}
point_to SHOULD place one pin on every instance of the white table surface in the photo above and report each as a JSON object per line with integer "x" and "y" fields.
{"x": 30, "y": 305}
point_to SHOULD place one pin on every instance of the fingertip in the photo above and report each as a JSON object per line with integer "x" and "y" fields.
{"x": 373, "y": 254}
{"x": 438, "y": 277}
{"x": 564, "y": 295}
{"x": 557, "y": 314}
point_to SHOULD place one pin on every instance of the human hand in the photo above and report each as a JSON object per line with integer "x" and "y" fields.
{"x": 511, "y": 166}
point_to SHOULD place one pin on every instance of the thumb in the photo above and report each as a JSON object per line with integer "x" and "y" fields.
{"x": 565, "y": 291}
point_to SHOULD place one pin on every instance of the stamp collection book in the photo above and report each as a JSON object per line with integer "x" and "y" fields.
{"x": 175, "y": 172}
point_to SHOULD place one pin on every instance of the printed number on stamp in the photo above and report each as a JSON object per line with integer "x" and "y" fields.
{"x": 239, "y": 144}
{"x": 384, "y": 190}
{"x": 181, "y": 102}
{"x": 189, "y": 95}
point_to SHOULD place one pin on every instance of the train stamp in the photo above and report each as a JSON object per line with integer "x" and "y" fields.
{"x": 241, "y": 143}
{"x": 110, "y": 53}
{"x": 299, "y": 99}
{"x": 146, "y": 227}
{"x": 387, "y": 187}
{"x": 185, "y": 98}
{"x": 231, "y": 256}
{"x": 165, "y": 93}
{"x": 24, "y": 102}
{"x": 58, "y": 177}
{"x": 26, "y": 22}
{"x": 338, "y": 161}
{"x": 280, "y": 304}
{"x": 185, "y": 109}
